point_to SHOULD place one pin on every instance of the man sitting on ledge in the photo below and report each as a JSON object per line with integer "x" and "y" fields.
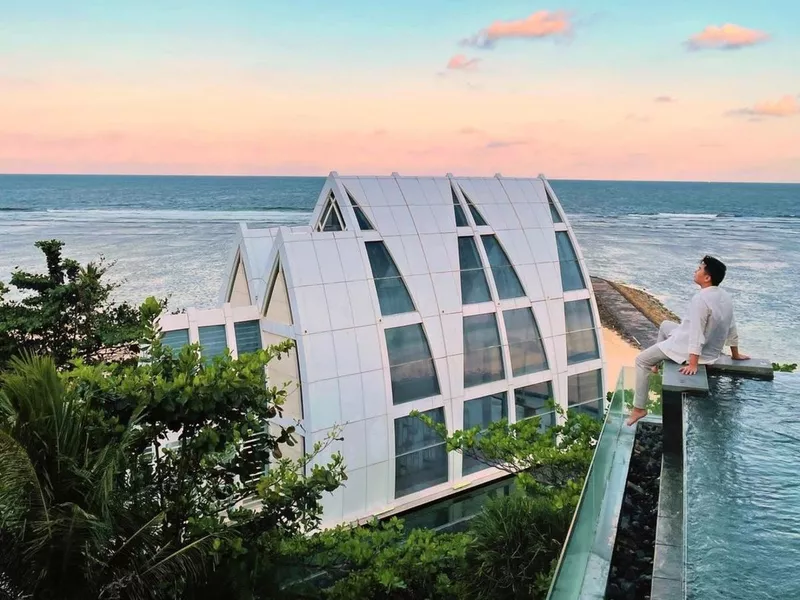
{"x": 699, "y": 339}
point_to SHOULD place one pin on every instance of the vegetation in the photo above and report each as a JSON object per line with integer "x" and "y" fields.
{"x": 146, "y": 479}
{"x": 68, "y": 313}
{"x": 784, "y": 368}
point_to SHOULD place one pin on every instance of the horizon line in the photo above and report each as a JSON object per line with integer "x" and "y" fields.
{"x": 264, "y": 176}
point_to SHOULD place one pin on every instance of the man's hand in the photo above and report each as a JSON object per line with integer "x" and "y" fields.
{"x": 691, "y": 368}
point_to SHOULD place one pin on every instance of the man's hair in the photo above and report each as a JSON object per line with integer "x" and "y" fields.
{"x": 715, "y": 269}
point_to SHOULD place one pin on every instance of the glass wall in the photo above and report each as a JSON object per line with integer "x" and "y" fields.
{"x": 420, "y": 454}
{"x": 525, "y": 342}
{"x": 392, "y": 293}
{"x": 482, "y": 412}
{"x": 483, "y": 355}
{"x": 361, "y": 218}
{"x": 585, "y": 393}
{"x": 581, "y": 335}
{"x": 473, "y": 278}
{"x": 571, "y": 276}
{"x": 476, "y": 216}
{"x": 553, "y": 210}
{"x": 534, "y": 400}
{"x": 412, "y": 371}
{"x": 248, "y": 336}
{"x": 175, "y": 339}
{"x": 505, "y": 278}
{"x": 461, "y": 218}
{"x": 213, "y": 340}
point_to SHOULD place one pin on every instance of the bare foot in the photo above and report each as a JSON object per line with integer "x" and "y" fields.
{"x": 654, "y": 369}
{"x": 636, "y": 414}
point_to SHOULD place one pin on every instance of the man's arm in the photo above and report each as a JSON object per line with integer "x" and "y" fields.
{"x": 698, "y": 319}
{"x": 733, "y": 342}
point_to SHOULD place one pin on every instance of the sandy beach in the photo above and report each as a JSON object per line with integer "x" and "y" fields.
{"x": 618, "y": 354}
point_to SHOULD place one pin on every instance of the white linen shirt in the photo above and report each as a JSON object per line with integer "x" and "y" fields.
{"x": 707, "y": 328}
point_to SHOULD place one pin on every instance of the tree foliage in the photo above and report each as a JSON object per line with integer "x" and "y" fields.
{"x": 381, "y": 561}
{"x": 67, "y": 530}
{"x": 68, "y": 312}
{"x": 127, "y": 481}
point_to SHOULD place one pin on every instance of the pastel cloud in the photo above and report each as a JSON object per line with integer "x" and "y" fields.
{"x": 786, "y": 106}
{"x": 726, "y": 37}
{"x": 664, "y": 99}
{"x": 459, "y": 62}
{"x": 541, "y": 24}
{"x": 497, "y": 144}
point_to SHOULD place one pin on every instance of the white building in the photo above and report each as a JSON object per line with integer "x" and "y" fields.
{"x": 466, "y": 298}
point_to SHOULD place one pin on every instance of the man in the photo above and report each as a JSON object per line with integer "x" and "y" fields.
{"x": 708, "y": 327}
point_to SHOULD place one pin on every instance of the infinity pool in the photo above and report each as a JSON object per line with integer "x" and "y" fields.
{"x": 742, "y": 487}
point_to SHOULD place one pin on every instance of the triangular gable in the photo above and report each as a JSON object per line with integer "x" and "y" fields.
{"x": 239, "y": 290}
{"x": 276, "y": 306}
{"x": 331, "y": 216}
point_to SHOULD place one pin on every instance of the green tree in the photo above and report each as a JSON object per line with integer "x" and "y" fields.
{"x": 66, "y": 531}
{"x": 68, "y": 312}
{"x": 139, "y": 485}
{"x": 545, "y": 458}
{"x": 380, "y": 561}
{"x": 517, "y": 541}
{"x": 206, "y": 422}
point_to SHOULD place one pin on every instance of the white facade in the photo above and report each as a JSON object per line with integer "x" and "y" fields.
{"x": 404, "y": 293}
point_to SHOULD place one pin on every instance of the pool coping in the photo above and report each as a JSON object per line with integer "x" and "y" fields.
{"x": 669, "y": 557}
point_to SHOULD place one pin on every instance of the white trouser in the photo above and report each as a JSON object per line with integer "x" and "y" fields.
{"x": 646, "y": 360}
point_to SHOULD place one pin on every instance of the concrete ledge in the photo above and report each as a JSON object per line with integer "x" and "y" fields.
{"x": 668, "y": 556}
{"x": 675, "y": 381}
{"x": 754, "y": 367}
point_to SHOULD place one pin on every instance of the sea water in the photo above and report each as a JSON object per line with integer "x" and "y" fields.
{"x": 173, "y": 236}
{"x": 742, "y": 490}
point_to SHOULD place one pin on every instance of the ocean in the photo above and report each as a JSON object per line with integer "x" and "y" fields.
{"x": 173, "y": 236}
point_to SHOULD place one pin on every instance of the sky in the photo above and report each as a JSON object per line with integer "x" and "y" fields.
{"x": 681, "y": 90}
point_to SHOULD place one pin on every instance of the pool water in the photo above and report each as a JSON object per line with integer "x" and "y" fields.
{"x": 742, "y": 490}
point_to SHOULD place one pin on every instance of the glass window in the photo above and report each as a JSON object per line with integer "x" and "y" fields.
{"x": 248, "y": 336}
{"x": 482, "y": 412}
{"x": 476, "y": 216}
{"x": 571, "y": 276}
{"x": 534, "y": 400}
{"x": 505, "y": 277}
{"x": 585, "y": 393}
{"x": 420, "y": 454}
{"x": 175, "y": 339}
{"x": 473, "y": 278}
{"x": 461, "y": 218}
{"x": 553, "y": 210}
{"x": 524, "y": 342}
{"x": 581, "y": 335}
{"x": 213, "y": 340}
{"x": 392, "y": 292}
{"x": 483, "y": 356}
{"x": 412, "y": 371}
{"x": 361, "y": 218}
{"x": 331, "y": 216}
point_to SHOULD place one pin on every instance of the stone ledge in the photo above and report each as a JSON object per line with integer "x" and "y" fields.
{"x": 674, "y": 381}
{"x": 754, "y": 367}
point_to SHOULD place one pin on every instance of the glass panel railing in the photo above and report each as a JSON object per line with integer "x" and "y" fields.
{"x": 586, "y": 557}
